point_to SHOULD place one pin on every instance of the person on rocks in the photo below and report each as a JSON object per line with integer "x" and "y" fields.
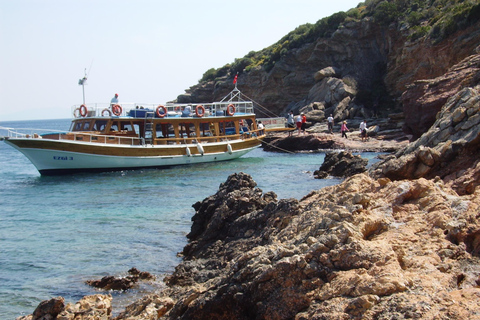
{"x": 290, "y": 123}
{"x": 344, "y": 129}
{"x": 304, "y": 122}
{"x": 298, "y": 121}
{"x": 330, "y": 123}
{"x": 363, "y": 130}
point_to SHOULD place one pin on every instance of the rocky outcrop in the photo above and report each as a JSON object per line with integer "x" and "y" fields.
{"x": 341, "y": 164}
{"x": 363, "y": 249}
{"x": 424, "y": 99}
{"x": 95, "y": 307}
{"x": 121, "y": 283}
{"x": 450, "y": 148}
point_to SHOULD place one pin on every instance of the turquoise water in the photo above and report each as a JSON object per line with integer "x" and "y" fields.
{"x": 58, "y": 232}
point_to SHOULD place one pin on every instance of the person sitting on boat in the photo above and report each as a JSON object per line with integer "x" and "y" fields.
{"x": 187, "y": 111}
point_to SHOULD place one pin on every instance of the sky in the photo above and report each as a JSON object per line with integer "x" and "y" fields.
{"x": 147, "y": 51}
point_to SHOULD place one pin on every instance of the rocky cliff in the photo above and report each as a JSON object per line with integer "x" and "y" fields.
{"x": 360, "y": 70}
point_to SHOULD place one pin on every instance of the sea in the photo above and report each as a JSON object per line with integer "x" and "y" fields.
{"x": 56, "y": 232}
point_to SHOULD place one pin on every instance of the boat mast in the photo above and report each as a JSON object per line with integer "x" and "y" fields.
{"x": 81, "y": 82}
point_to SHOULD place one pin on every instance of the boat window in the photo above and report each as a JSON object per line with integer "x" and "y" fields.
{"x": 164, "y": 130}
{"x": 99, "y": 125}
{"x": 86, "y": 126}
{"x": 187, "y": 130}
{"x": 114, "y": 127}
{"x": 127, "y": 126}
{"x": 77, "y": 126}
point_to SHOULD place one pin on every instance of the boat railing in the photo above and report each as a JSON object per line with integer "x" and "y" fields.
{"x": 118, "y": 139}
{"x": 139, "y": 110}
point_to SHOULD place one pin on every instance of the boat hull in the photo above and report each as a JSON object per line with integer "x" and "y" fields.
{"x": 52, "y": 157}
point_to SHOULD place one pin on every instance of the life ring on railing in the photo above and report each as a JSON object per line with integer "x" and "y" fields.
{"x": 200, "y": 111}
{"x": 161, "y": 108}
{"x": 109, "y": 113}
{"x": 117, "y": 110}
{"x": 83, "y": 110}
{"x": 230, "y": 110}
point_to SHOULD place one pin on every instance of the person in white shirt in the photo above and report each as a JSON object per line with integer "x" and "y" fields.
{"x": 363, "y": 130}
{"x": 260, "y": 127}
{"x": 330, "y": 123}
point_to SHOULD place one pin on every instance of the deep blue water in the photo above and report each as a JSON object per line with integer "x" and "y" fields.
{"x": 57, "y": 232}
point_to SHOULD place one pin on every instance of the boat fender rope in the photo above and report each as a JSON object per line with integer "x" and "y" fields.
{"x": 161, "y": 108}
{"x": 117, "y": 110}
{"x": 199, "y": 111}
{"x": 83, "y": 110}
{"x": 230, "y": 110}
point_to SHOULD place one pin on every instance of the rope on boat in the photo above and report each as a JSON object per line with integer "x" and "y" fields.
{"x": 264, "y": 110}
{"x": 273, "y": 146}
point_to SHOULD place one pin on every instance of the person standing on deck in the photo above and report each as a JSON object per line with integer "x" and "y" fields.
{"x": 114, "y": 100}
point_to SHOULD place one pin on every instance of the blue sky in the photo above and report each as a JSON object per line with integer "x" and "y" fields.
{"x": 147, "y": 51}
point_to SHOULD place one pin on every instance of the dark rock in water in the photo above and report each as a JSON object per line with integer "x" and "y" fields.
{"x": 121, "y": 283}
{"x": 298, "y": 143}
{"x": 341, "y": 164}
{"x": 112, "y": 283}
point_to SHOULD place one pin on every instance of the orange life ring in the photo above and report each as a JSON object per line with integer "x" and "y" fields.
{"x": 109, "y": 113}
{"x": 230, "y": 110}
{"x": 117, "y": 110}
{"x": 199, "y": 111}
{"x": 83, "y": 110}
{"x": 160, "y": 108}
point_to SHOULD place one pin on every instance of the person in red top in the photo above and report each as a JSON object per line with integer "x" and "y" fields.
{"x": 304, "y": 122}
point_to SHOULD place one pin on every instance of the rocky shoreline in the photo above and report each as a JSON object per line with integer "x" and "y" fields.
{"x": 399, "y": 241}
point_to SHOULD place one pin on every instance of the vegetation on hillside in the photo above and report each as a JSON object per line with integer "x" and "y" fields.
{"x": 430, "y": 19}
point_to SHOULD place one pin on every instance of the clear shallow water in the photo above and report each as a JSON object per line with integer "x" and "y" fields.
{"x": 58, "y": 232}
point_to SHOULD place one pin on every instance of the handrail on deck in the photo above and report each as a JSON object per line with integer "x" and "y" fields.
{"x": 172, "y": 110}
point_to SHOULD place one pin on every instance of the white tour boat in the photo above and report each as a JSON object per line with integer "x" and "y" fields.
{"x": 130, "y": 136}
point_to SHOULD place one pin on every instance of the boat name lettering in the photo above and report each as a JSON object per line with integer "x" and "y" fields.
{"x": 62, "y": 158}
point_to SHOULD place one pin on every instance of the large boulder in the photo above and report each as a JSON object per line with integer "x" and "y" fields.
{"x": 341, "y": 164}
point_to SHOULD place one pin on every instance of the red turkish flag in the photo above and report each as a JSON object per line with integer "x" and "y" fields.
{"x": 235, "y": 79}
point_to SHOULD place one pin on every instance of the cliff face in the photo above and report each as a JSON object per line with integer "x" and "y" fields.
{"x": 377, "y": 63}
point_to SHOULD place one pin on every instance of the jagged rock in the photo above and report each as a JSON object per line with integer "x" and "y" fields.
{"x": 327, "y": 72}
{"x": 361, "y": 249}
{"x": 49, "y": 309}
{"x": 450, "y": 148}
{"x": 120, "y": 283}
{"x": 94, "y": 307}
{"x": 423, "y": 100}
{"x": 341, "y": 164}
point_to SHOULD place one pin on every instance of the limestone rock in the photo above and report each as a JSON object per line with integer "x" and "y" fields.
{"x": 361, "y": 249}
